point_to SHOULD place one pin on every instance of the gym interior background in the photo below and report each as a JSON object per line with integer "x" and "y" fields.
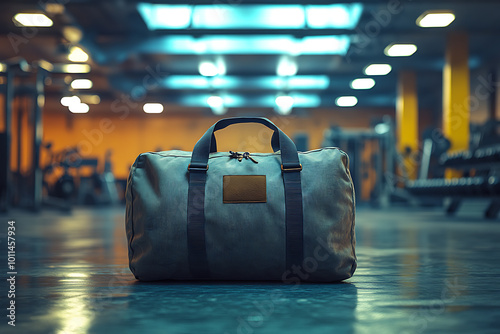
{"x": 407, "y": 88}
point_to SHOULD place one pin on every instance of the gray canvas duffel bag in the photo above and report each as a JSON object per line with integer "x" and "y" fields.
{"x": 211, "y": 215}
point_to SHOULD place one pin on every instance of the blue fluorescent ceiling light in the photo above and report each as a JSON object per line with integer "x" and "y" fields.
{"x": 336, "y": 16}
{"x": 186, "y": 82}
{"x": 248, "y": 17}
{"x": 284, "y": 104}
{"x": 237, "y": 101}
{"x": 309, "y": 82}
{"x": 215, "y": 101}
{"x": 220, "y": 16}
{"x": 251, "y": 44}
{"x": 299, "y": 100}
{"x": 306, "y": 100}
{"x": 165, "y": 16}
{"x": 203, "y": 100}
{"x": 287, "y": 67}
{"x": 305, "y": 82}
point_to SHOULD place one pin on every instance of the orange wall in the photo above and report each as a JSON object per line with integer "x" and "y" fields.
{"x": 128, "y": 136}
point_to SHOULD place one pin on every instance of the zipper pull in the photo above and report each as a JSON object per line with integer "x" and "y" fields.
{"x": 239, "y": 156}
{"x": 235, "y": 155}
{"x": 246, "y": 155}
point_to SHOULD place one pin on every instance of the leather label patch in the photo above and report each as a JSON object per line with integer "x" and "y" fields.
{"x": 244, "y": 189}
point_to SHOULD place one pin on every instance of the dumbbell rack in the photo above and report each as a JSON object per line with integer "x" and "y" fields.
{"x": 483, "y": 164}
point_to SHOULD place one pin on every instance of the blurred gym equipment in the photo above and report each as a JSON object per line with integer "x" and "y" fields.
{"x": 25, "y": 82}
{"x": 59, "y": 193}
{"x": 96, "y": 187}
{"x": 480, "y": 167}
{"x": 372, "y": 159}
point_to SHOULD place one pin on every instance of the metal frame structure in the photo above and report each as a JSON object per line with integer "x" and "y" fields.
{"x": 10, "y": 91}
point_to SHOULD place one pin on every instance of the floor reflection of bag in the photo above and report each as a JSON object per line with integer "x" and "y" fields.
{"x": 238, "y": 216}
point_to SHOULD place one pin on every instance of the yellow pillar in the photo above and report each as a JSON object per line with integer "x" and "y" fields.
{"x": 407, "y": 121}
{"x": 456, "y": 90}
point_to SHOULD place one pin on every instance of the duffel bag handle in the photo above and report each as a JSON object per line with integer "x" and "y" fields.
{"x": 279, "y": 140}
{"x": 275, "y": 144}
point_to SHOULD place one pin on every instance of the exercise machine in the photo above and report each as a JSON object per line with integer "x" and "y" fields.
{"x": 97, "y": 186}
{"x": 58, "y": 183}
{"x": 372, "y": 159}
{"x": 22, "y": 81}
{"x": 480, "y": 168}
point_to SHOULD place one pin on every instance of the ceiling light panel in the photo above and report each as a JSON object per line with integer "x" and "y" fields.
{"x": 346, "y": 101}
{"x": 244, "y": 16}
{"x": 284, "y": 104}
{"x": 72, "y": 68}
{"x": 76, "y": 54}
{"x": 378, "y": 69}
{"x": 249, "y": 44}
{"x": 286, "y": 67}
{"x": 208, "y": 69}
{"x": 32, "y": 20}
{"x": 248, "y": 17}
{"x": 216, "y": 103}
{"x": 400, "y": 50}
{"x": 362, "y": 83}
{"x": 337, "y": 16}
{"x": 81, "y": 84}
{"x": 239, "y": 101}
{"x": 159, "y": 16}
{"x": 302, "y": 82}
{"x": 435, "y": 19}
{"x": 153, "y": 108}
{"x": 70, "y": 100}
{"x": 79, "y": 108}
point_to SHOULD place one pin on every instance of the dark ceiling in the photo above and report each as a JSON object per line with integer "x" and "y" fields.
{"x": 123, "y": 51}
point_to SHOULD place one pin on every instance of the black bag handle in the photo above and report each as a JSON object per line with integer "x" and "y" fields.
{"x": 274, "y": 143}
{"x": 206, "y": 144}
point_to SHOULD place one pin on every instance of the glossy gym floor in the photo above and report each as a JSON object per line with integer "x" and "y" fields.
{"x": 419, "y": 272}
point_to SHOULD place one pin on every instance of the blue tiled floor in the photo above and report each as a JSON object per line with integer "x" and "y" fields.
{"x": 419, "y": 272}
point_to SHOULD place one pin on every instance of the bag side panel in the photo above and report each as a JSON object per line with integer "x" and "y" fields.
{"x": 328, "y": 217}
{"x": 160, "y": 214}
